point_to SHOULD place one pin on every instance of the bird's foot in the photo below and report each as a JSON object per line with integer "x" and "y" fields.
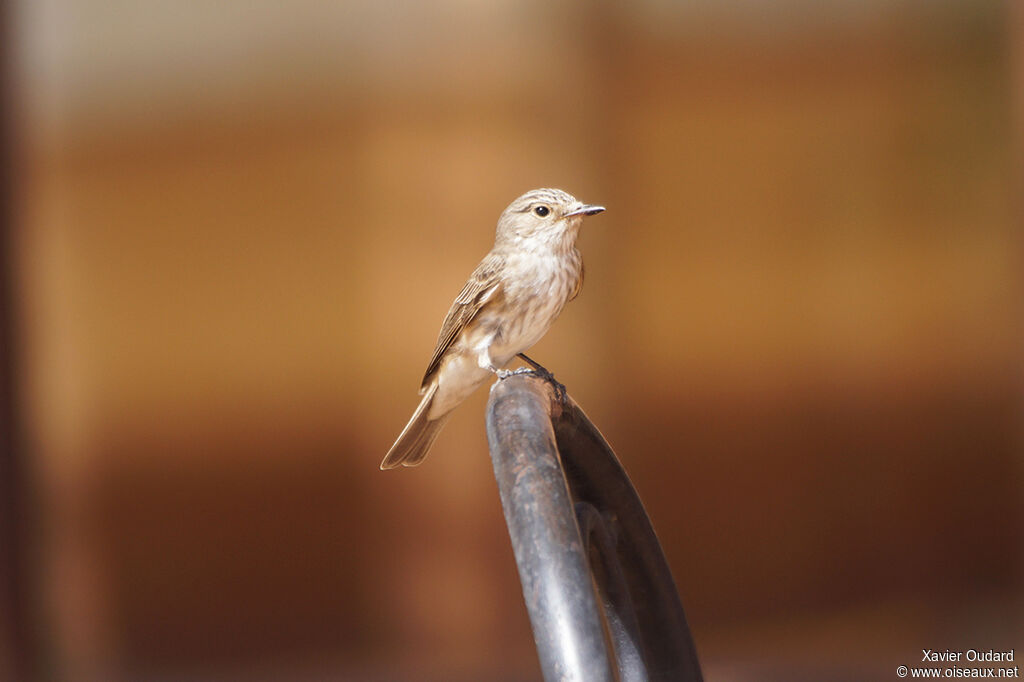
{"x": 540, "y": 372}
{"x": 504, "y": 373}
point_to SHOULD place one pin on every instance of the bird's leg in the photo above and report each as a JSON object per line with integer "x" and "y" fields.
{"x": 501, "y": 373}
{"x": 539, "y": 371}
{"x": 532, "y": 363}
{"x": 483, "y": 360}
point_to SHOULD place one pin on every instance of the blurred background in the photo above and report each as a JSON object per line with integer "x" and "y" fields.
{"x": 235, "y": 229}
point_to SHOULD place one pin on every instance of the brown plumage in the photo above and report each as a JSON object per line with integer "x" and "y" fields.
{"x": 480, "y": 288}
{"x": 509, "y": 302}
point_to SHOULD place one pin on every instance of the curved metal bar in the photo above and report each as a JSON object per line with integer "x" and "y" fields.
{"x": 594, "y": 474}
{"x": 538, "y": 509}
{"x": 619, "y": 613}
{"x": 547, "y": 458}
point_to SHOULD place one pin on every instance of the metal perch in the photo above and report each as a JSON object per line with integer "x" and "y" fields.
{"x": 600, "y": 595}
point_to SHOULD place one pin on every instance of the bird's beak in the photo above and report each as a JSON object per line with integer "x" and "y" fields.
{"x": 585, "y": 209}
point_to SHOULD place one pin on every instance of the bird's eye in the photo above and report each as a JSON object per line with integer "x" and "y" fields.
{"x": 542, "y": 211}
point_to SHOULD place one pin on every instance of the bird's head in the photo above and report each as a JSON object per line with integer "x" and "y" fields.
{"x": 543, "y": 217}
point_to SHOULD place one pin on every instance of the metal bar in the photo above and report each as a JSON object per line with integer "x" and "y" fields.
{"x": 553, "y": 567}
{"x": 594, "y": 475}
{"x": 579, "y": 530}
{"x": 613, "y": 590}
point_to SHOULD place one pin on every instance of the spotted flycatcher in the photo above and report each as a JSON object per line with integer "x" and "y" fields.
{"x": 507, "y": 305}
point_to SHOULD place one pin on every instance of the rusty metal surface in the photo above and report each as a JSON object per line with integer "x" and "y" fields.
{"x": 600, "y": 595}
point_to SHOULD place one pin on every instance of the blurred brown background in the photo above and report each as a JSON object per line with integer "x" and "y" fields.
{"x": 238, "y": 226}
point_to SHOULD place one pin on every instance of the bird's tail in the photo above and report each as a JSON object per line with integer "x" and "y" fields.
{"x": 417, "y": 436}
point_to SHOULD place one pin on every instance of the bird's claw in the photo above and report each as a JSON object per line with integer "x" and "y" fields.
{"x": 537, "y": 371}
{"x": 560, "y": 393}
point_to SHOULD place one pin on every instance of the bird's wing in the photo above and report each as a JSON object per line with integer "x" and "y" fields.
{"x": 481, "y": 288}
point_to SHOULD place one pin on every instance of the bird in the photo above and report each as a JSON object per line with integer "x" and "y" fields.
{"x": 508, "y": 303}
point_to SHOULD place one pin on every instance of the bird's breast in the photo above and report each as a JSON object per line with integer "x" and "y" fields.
{"x": 536, "y": 289}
